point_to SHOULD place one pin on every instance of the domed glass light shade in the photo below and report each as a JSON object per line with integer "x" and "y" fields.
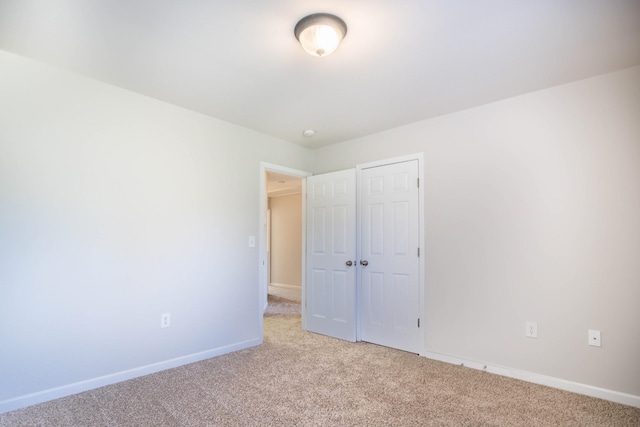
{"x": 320, "y": 33}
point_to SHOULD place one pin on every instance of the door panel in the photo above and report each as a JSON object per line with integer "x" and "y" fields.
{"x": 389, "y": 233}
{"x": 330, "y": 283}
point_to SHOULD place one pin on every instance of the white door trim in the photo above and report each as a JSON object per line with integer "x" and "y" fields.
{"x": 420, "y": 158}
{"x": 262, "y": 235}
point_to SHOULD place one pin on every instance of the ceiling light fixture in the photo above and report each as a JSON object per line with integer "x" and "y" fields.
{"x": 320, "y": 33}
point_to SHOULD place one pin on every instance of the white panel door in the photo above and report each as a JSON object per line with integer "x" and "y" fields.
{"x": 331, "y": 252}
{"x": 389, "y": 258}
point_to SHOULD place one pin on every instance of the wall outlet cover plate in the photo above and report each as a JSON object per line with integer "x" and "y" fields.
{"x": 531, "y": 330}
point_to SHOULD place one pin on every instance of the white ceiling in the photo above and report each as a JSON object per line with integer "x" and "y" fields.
{"x": 401, "y": 61}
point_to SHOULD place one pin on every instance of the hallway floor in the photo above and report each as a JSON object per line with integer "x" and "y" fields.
{"x": 290, "y": 293}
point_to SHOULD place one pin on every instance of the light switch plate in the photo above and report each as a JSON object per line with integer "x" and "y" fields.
{"x": 252, "y": 241}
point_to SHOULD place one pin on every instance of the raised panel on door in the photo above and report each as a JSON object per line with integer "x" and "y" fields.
{"x": 389, "y": 233}
{"x": 331, "y": 232}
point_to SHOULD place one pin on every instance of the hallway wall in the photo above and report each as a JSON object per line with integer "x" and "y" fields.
{"x": 286, "y": 240}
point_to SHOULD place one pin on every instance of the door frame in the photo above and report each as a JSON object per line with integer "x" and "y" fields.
{"x": 262, "y": 231}
{"x": 421, "y": 237}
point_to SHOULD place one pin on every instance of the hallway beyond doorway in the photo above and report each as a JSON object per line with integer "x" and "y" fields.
{"x": 290, "y": 293}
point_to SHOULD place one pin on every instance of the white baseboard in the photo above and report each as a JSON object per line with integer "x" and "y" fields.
{"x": 284, "y": 286}
{"x": 588, "y": 390}
{"x": 93, "y": 383}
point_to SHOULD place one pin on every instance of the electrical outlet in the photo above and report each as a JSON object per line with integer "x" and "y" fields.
{"x": 165, "y": 320}
{"x": 531, "y": 330}
{"x": 594, "y": 338}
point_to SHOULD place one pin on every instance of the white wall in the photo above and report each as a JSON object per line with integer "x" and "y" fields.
{"x": 532, "y": 212}
{"x": 115, "y": 208}
{"x": 286, "y": 240}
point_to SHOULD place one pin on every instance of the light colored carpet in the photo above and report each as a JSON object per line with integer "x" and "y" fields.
{"x": 281, "y": 306}
{"x": 290, "y": 293}
{"x": 298, "y": 378}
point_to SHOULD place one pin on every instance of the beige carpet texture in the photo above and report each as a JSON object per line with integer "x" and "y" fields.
{"x": 297, "y": 378}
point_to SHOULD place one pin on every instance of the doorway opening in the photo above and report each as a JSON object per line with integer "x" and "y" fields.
{"x": 282, "y": 237}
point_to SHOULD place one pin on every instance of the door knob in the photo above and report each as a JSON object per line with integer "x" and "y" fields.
{"x": 349, "y": 263}
{"x": 364, "y": 262}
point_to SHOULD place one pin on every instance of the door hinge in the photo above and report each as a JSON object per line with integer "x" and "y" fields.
{"x": 418, "y": 182}
{"x": 418, "y": 323}
{"x": 418, "y": 252}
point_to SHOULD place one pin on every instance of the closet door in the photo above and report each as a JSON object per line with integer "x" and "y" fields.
{"x": 331, "y": 255}
{"x": 389, "y": 256}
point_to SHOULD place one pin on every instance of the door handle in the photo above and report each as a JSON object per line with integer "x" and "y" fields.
{"x": 364, "y": 262}
{"x": 349, "y": 263}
